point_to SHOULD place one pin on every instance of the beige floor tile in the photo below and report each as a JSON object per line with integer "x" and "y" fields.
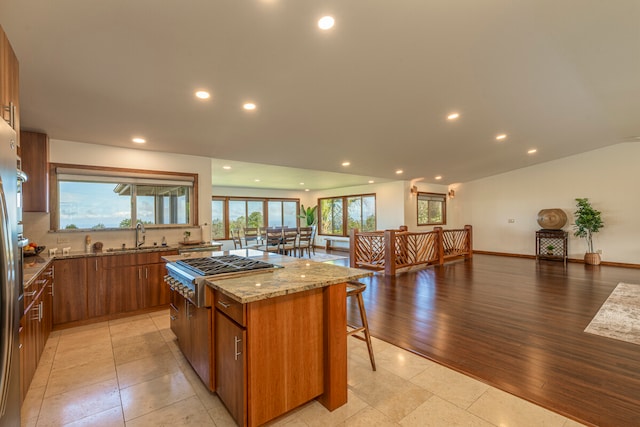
{"x": 450, "y": 385}
{"x": 317, "y": 415}
{"x": 132, "y": 326}
{"x": 41, "y": 376}
{"x": 30, "y": 408}
{"x": 72, "y": 341}
{"x": 168, "y": 335}
{"x": 437, "y": 412}
{"x": 402, "y": 363}
{"x": 79, "y": 403}
{"x": 128, "y": 319}
{"x": 159, "y": 313}
{"x": 83, "y": 353}
{"x": 146, "y": 397}
{"x": 91, "y": 372}
{"x": 571, "y": 423}
{"x": 128, "y": 349}
{"x": 109, "y": 418}
{"x": 142, "y": 370}
{"x": 162, "y": 321}
{"x": 188, "y": 412}
{"x": 368, "y": 417}
{"x": 220, "y": 415}
{"x": 502, "y": 408}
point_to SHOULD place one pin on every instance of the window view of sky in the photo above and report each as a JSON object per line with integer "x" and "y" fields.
{"x": 87, "y": 205}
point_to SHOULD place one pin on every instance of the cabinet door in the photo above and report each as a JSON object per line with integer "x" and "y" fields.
{"x": 97, "y": 302}
{"x": 230, "y": 363}
{"x": 180, "y": 324}
{"x": 201, "y": 351}
{"x": 122, "y": 289}
{"x": 70, "y": 298}
{"x": 35, "y": 163}
{"x": 154, "y": 290}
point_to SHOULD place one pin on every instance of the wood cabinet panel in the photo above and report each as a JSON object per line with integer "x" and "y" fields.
{"x": 70, "y": 296}
{"x": 231, "y": 367}
{"x": 9, "y": 83}
{"x": 35, "y": 163}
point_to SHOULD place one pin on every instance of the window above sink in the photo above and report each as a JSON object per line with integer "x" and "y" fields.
{"x": 92, "y": 198}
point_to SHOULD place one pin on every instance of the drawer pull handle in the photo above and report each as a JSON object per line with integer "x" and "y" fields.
{"x": 172, "y": 317}
{"x": 224, "y": 304}
{"x": 29, "y": 294}
{"x": 237, "y": 353}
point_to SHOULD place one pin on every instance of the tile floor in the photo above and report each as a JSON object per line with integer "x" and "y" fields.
{"x": 131, "y": 372}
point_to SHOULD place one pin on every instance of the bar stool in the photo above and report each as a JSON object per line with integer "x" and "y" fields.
{"x": 355, "y": 289}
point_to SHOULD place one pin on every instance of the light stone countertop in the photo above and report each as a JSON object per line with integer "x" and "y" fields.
{"x": 298, "y": 275}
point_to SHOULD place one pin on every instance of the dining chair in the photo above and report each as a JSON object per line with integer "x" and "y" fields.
{"x": 304, "y": 241}
{"x": 289, "y": 241}
{"x": 235, "y": 236}
{"x": 272, "y": 240}
{"x": 251, "y": 235}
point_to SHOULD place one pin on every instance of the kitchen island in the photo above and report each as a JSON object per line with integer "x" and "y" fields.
{"x": 277, "y": 339}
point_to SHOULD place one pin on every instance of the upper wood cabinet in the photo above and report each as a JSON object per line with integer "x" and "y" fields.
{"x": 35, "y": 163}
{"x": 9, "y": 84}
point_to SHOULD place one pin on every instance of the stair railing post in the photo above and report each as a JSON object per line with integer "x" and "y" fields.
{"x": 353, "y": 242}
{"x": 440, "y": 244}
{"x": 389, "y": 253}
{"x": 469, "y": 230}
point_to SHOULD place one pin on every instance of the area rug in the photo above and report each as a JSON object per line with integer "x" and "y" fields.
{"x": 326, "y": 257}
{"x": 619, "y": 316}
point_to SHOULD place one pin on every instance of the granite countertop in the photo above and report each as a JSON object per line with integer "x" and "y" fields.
{"x": 296, "y": 276}
{"x": 32, "y": 267}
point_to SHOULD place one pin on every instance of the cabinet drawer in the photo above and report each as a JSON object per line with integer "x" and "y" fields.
{"x": 235, "y": 310}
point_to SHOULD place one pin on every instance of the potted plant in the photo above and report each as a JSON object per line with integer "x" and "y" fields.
{"x": 186, "y": 234}
{"x": 550, "y": 249}
{"x": 308, "y": 214}
{"x": 588, "y": 221}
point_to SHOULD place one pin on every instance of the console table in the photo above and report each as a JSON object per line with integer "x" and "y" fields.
{"x": 552, "y": 245}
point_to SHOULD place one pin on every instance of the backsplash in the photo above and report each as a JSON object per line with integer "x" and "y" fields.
{"x": 36, "y": 229}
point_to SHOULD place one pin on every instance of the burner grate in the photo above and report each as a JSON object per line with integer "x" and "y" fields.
{"x": 210, "y": 266}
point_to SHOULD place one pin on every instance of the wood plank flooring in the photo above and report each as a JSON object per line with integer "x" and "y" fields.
{"x": 517, "y": 325}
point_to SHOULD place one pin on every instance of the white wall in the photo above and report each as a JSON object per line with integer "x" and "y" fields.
{"x": 609, "y": 177}
{"x": 36, "y": 225}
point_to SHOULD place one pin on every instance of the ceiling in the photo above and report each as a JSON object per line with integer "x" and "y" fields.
{"x": 557, "y": 76}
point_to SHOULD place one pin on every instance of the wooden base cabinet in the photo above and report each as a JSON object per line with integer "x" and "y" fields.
{"x": 273, "y": 355}
{"x": 35, "y": 326}
{"x": 70, "y": 297}
{"x": 193, "y": 327}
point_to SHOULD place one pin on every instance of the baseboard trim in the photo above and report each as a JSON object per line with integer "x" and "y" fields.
{"x": 574, "y": 260}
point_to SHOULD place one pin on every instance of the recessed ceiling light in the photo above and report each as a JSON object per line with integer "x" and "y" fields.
{"x": 399, "y": 171}
{"x": 438, "y": 178}
{"x": 501, "y": 136}
{"x": 533, "y": 150}
{"x": 203, "y": 94}
{"x": 326, "y": 22}
{"x": 371, "y": 181}
{"x": 249, "y": 106}
{"x": 302, "y": 183}
{"x": 139, "y": 140}
{"x": 346, "y": 163}
{"x": 256, "y": 180}
{"x": 306, "y": 189}
{"x": 453, "y": 116}
{"x": 226, "y": 167}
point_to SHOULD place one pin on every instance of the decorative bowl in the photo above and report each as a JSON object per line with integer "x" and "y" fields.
{"x": 37, "y": 250}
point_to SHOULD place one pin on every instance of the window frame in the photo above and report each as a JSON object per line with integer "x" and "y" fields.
{"x": 443, "y": 200}
{"x": 265, "y": 209}
{"x": 345, "y": 212}
{"x": 106, "y": 171}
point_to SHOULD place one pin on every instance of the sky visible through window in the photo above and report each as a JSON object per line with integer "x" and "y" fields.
{"x": 87, "y": 205}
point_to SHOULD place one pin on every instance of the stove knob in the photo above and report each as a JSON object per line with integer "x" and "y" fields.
{"x": 190, "y": 294}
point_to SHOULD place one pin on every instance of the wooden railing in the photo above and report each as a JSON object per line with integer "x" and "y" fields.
{"x": 397, "y": 250}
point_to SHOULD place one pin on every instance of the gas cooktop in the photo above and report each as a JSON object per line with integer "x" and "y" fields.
{"x": 210, "y": 266}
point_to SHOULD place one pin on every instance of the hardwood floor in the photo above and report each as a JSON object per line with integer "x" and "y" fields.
{"x": 517, "y": 325}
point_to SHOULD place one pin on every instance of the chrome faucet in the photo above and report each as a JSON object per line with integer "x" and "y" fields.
{"x": 140, "y": 230}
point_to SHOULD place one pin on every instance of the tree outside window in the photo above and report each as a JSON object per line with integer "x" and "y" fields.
{"x": 432, "y": 209}
{"x": 360, "y": 213}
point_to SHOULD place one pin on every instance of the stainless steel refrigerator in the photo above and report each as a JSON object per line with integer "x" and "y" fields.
{"x": 10, "y": 278}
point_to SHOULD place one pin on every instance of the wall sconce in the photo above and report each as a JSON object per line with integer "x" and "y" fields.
{"x": 414, "y": 189}
{"x": 452, "y": 194}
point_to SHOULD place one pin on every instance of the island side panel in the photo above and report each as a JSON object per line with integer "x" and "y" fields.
{"x": 286, "y": 359}
{"x": 335, "y": 346}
